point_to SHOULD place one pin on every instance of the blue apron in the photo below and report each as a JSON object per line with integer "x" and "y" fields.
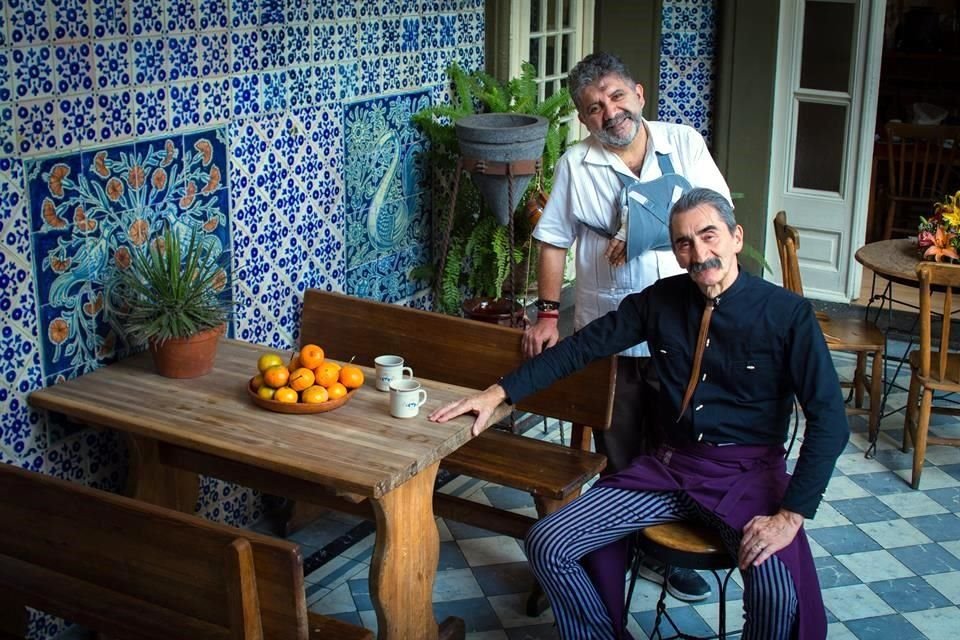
{"x": 645, "y": 207}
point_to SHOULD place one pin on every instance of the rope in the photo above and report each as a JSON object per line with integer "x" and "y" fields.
{"x": 445, "y": 247}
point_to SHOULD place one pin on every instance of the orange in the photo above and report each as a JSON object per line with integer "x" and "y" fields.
{"x": 257, "y": 381}
{"x": 314, "y": 395}
{"x": 300, "y": 379}
{"x": 265, "y": 392}
{"x": 286, "y": 395}
{"x": 294, "y": 362}
{"x": 336, "y": 390}
{"x": 327, "y": 373}
{"x": 311, "y": 356}
{"x": 268, "y": 360}
{"x": 351, "y": 377}
{"x": 276, "y": 376}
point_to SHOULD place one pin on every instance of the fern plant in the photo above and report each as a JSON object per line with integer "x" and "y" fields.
{"x": 478, "y": 260}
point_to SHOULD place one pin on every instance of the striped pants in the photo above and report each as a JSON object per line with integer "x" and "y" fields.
{"x": 603, "y": 515}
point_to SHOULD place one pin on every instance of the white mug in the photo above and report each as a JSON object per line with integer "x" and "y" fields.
{"x": 406, "y": 398}
{"x": 390, "y": 368}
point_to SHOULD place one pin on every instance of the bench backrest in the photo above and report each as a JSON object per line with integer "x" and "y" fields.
{"x": 449, "y": 349}
{"x": 134, "y": 570}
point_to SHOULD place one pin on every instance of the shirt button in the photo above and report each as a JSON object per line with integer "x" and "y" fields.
{"x": 698, "y": 408}
{"x": 704, "y": 378}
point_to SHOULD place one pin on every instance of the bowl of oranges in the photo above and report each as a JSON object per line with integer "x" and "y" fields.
{"x": 308, "y": 383}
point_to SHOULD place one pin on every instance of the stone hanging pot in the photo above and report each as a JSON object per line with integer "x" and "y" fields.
{"x": 189, "y": 357}
{"x": 500, "y": 148}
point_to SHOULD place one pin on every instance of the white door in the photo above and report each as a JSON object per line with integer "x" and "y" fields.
{"x": 828, "y": 66}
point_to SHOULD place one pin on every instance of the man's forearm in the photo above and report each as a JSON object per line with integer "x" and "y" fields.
{"x": 550, "y": 273}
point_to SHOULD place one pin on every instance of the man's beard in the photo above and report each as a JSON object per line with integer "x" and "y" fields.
{"x": 606, "y": 136}
{"x": 712, "y": 263}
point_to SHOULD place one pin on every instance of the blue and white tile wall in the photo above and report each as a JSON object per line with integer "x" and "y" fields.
{"x": 687, "y": 53}
{"x": 279, "y": 126}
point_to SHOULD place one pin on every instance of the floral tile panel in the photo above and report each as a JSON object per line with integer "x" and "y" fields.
{"x": 386, "y": 209}
{"x": 90, "y": 210}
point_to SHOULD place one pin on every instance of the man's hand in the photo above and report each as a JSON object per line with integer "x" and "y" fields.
{"x": 541, "y": 335}
{"x": 765, "y": 535}
{"x": 482, "y": 404}
{"x": 616, "y": 252}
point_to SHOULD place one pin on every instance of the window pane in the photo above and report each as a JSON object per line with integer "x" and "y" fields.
{"x": 827, "y": 44}
{"x": 551, "y": 14}
{"x": 820, "y": 138}
{"x": 551, "y": 55}
{"x": 549, "y": 88}
{"x": 566, "y": 13}
{"x": 534, "y": 58}
{"x": 535, "y": 15}
{"x": 565, "y": 54}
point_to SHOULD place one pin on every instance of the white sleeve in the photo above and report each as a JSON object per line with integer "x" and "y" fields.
{"x": 558, "y": 226}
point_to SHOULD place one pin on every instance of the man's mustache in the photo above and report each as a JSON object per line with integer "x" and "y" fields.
{"x": 697, "y": 267}
{"x": 616, "y": 120}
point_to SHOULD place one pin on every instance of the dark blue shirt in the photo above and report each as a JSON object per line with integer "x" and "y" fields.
{"x": 764, "y": 347}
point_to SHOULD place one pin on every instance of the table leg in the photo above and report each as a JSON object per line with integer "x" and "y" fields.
{"x": 405, "y": 560}
{"x": 151, "y": 481}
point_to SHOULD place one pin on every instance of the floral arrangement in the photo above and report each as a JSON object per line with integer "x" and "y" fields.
{"x": 939, "y": 236}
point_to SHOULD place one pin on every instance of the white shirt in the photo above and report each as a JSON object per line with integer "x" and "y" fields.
{"x": 586, "y": 188}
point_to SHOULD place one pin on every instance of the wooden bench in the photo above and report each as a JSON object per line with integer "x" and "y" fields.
{"x": 473, "y": 354}
{"x": 133, "y": 570}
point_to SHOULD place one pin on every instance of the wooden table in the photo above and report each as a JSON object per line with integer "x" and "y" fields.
{"x": 893, "y": 260}
{"x": 178, "y": 428}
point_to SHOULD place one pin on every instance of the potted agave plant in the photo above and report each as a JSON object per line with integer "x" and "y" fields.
{"x": 169, "y": 298}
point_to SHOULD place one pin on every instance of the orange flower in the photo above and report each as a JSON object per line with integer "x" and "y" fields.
{"x": 136, "y": 177}
{"x": 100, "y": 164}
{"x": 114, "y": 189}
{"x": 58, "y": 331}
{"x": 159, "y": 179}
{"x": 206, "y": 150}
{"x": 106, "y": 349}
{"x": 138, "y": 232}
{"x": 942, "y": 246}
{"x": 59, "y": 264}
{"x": 169, "y": 153}
{"x": 210, "y": 225}
{"x": 187, "y": 200}
{"x": 57, "y": 174}
{"x": 122, "y": 257}
{"x": 82, "y": 222}
{"x": 92, "y": 307}
{"x": 214, "y": 180}
{"x": 219, "y": 280}
{"x": 49, "y": 212}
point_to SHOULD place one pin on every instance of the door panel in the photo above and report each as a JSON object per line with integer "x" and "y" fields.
{"x": 819, "y": 100}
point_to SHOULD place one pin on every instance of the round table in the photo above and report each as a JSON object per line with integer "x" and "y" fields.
{"x": 893, "y": 260}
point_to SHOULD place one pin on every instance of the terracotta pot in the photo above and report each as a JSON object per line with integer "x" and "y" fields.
{"x": 494, "y": 311}
{"x": 187, "y": 357}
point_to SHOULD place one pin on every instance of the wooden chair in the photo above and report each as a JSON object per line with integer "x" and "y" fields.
{"x": 919, "y": 169}
{"x": 933, "y": 367}
{"x": 842, "y": 334}
{"x": 133, "y": 570}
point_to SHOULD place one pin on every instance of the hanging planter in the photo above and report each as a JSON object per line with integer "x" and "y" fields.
{"x": 502, "y": 153}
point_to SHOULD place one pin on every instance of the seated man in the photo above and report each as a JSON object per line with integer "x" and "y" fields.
{"x": 731, "y": 351}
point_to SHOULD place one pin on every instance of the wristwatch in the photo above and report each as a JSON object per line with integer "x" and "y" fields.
{"x": 548, "y": 305}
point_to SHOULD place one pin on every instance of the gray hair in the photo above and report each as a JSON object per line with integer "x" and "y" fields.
{"x": 592, "y": 68}
{"x": 696, "y": 197}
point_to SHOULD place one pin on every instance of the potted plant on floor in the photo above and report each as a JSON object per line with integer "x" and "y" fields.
{"x": 474, "y": 247}
{"x": 170, "y": 298}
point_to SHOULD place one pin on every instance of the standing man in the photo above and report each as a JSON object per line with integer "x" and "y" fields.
{"x": 732, "y": 351}
{"x": 626, "y": 162}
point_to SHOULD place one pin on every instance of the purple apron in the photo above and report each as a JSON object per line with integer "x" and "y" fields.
{"x": 736, "y": 482}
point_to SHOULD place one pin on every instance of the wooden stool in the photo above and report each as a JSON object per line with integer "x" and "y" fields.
{"x": 686, "y": 545}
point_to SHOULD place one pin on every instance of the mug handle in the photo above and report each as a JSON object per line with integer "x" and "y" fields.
{"x": 423, "y": 398}
{"x": 406, "y": 370}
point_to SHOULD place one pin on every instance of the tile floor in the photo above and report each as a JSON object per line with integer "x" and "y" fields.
{"x": 888, "y": 557}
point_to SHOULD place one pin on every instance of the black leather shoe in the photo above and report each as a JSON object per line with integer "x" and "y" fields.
{"x": 683, "y": 584}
